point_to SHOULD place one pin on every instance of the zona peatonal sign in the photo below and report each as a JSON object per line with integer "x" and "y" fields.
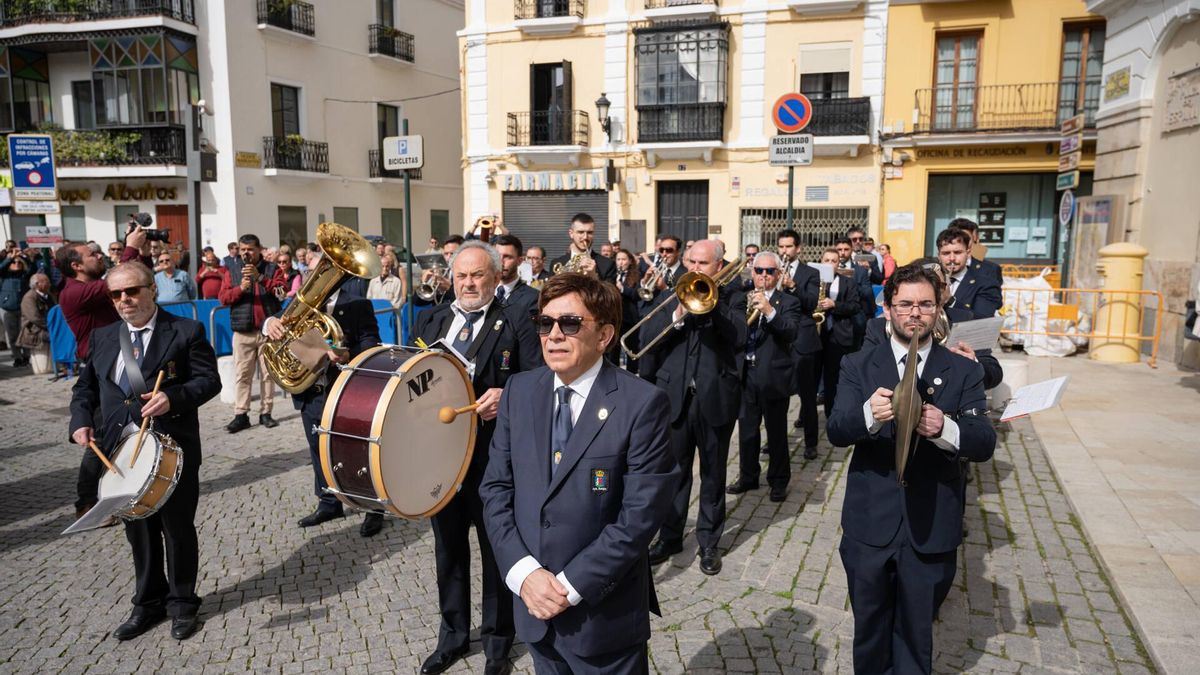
{"x": 31, "y": 159}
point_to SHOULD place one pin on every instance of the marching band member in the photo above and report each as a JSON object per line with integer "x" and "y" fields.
{"x": 978, "y": 263}
{"x": 667, "y": 259}
{"x": 580, "y": 477}
{"x": 970, "y": 289}
{"x": 698, "y": 369}
{"x": 842, "y": 307}
{"x": 498, "y": 342}
{"x": 536, "y": 257}
{"x": 803, "y": 282}
{"x": 511, "y": 291}
{"x": 900, "y": 540}
{"x": 583, "y": 232}
{"x": 113, "y": 389}
{"x": 767, "y": 365}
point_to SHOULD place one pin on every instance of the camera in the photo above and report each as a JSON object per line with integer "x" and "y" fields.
{"x": 147, "y": 222}
{"x": 158, "y": 235}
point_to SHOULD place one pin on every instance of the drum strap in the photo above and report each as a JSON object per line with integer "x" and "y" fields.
{"x": 133, "y": 368}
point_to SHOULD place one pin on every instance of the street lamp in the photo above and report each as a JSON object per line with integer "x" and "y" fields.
{"x": 602, "y": 106}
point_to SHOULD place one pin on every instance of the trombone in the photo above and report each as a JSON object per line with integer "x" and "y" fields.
{"x": 696, "y": 292}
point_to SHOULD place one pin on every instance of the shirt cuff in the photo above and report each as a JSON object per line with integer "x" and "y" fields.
{"x": 771, "y": 317}
{"x": 948, "y": 439}
{"x": 873, "y": 427}
{"x": 264, "y": 326}
{"x": 573, "y": 596}
{"x": 520, "y": 572}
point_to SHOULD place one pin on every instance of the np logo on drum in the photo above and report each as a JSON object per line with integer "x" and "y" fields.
{"x": 421, "y": 383}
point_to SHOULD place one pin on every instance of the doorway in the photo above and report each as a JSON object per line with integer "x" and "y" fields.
{"x": 683, "y": 209}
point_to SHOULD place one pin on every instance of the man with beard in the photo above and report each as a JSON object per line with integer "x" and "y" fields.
{"x": 512, "y": 291}
{"x": 972, "y": 289}
{"x": 900, "y": 539}
{"x": 583, "y": 232}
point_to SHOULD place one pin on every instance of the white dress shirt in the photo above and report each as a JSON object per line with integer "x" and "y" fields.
{"x": 580, "y": 389}
{"x": 948, "y": 439}
{"x": 147, "y": 333}
{"x": 508, "y": 288}
{"x": 956, "y": 280}
{"x": 460, "y": 319}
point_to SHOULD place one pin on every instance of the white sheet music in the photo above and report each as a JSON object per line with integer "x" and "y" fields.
{"x": 449, "y": 349}
{"x": 1035, "y": 397}
{"x": 978, "y": 334}
{"x": 826, "y": 271}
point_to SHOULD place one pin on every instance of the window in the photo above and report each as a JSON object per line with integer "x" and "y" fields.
{"x": 293, "y": 226}
{"x": 285, "y": 110}
{"x": 681, "y": 82}
{"x": 392, "y": 221}
{"x": 74, "y": 223}
{"x": 1082, "y": 60}
{"x": 955, "y": 80}
{"x": 81, "y": 98}
{"x": 30, "y": 88}
{"x": 147, "y": 79}
{"x": 385, "y": 10}
{"x": 388, "y": 117}
{"x": 121, "y": 218}
{"x": 346, "y": 215}
{"x": 823, "y": 86}
{"x": 550, "y": 101}
{"x": 439, "y": 224}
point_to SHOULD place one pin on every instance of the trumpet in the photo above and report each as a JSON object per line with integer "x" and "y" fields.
{"x": 752, "y": 313}
{"x": 818, "y": 315}
{"x": 646, "y": 289}
{"x": 429, "y": 289}
{"x": 575, "y": 264}
{"x": 696, "y": 292}
{"x": 786, "y": 281}
{"x": 484, "y": 225}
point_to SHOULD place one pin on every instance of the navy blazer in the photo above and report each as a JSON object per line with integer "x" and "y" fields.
{"x": 523, "y": 298}
{"x": 841, "y": 322}
{"x": 772, "y": 372}
{"x": 989, "y": 269}
{"x": 993, "y": 372}
{"x": 179, "y": 348}
{"x": 930, "y": 505}
{"x": 594, "y": 519}
{"x": 808, "y": 282}
{"x": 978, "y": 293}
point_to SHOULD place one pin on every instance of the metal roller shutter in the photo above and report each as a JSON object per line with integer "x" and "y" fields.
{"x": 542, "y": 218}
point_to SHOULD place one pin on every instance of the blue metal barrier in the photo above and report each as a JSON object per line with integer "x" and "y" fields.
{"x": 220, "y": 335}
{"x": 183, "y": 308}
{"x": 62, "y": 340}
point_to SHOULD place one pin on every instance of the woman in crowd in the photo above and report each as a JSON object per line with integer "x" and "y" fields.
{"x": 35, "y": 336}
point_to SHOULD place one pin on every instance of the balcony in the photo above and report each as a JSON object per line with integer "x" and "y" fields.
{"x": 376, "y": 171}
{"x": 157, "y": 151}
{"x": 840, "y": 117}
{"x": 548, "y": 17}
{"x": 675, "y": 10}
{"x": 293, "y": 16}
{"x": 681, "y": 123}
{"x": 387, "y": 41}
{"x": 545, "y": 137}
{"x": 17, "y": 12}
{"x": 1003, "y": 108}
{"x": 294, "y": 154}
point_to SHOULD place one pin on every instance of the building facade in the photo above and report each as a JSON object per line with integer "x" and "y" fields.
{"x": 976, "y": 93}
{"x": 1149, "y": 149}
{"x": 299, "y": 96}
{"x": 654, "y": 116}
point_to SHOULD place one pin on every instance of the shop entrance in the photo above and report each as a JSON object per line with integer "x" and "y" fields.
{"x": 683, "y": 209}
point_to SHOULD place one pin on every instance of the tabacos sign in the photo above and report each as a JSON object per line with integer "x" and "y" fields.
{"x": 142, "y": 193}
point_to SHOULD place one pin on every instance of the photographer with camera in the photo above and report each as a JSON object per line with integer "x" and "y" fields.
{"x": 249, "y": 292}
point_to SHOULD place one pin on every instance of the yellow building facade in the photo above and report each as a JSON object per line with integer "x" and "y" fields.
{"x": 689, "y": 87}
{"x": 976, "y": 92}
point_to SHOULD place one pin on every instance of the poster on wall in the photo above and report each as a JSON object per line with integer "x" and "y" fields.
{"x": 1096, "y": 225}
{"x": 993, "y": 209}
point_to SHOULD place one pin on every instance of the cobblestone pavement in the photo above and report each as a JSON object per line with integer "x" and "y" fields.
{"x": 1029, "y": 596}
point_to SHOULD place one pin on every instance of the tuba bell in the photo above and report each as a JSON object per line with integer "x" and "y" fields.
{"x": 345, "y": 252}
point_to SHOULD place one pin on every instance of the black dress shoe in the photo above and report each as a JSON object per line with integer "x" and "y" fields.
{"x": 239, "y": 423}
{"x": 440, "y": 661}
{"x": 778, "y": 494}
{"x": 798, "y": 424}
{"x": 371, "y": 525}
{"x": 739, "y": 486}
{"x": 267, "y": 421}
{"x": 184, "y": 627}
{"x": 660, "y": 551}
{"x": 710, "y": 561}
{"x": 497, "y": 667}
{"x": 765, "y": 450}
{"x": 320, "y": 516}
{"x": 138, "y": 623}
{"x": 810, "y": 452}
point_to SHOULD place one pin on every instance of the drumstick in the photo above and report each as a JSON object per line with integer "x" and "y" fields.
{"x": 137, "y": 448}
{"x": 447, "y": 414}
{"x": 104, "y": 459}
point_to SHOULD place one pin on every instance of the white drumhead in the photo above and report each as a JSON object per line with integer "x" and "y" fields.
{"x": 134, "y": 478}
{"x": 421, "y": 459}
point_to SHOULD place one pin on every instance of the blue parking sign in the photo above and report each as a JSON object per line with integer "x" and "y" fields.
{"x": 31, "y": 159}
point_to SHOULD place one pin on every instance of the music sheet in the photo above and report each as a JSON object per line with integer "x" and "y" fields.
{"x": 978, "y": 334}
{"x": 826, "y": 271}
{"x": 1034, "y": 398}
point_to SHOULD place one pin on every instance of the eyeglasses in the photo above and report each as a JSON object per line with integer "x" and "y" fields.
{"x": 766, "y": 270}
{"x": 906, "y": 308}
{"x": 569, "y": 324}
{"x": 667, "y": 250}
{"x": 856, "y": 238}
{"x": 132, "y": 291}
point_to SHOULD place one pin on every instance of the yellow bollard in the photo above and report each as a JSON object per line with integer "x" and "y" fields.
{"x": 1118, "y": 315}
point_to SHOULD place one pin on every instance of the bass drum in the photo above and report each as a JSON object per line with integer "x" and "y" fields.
{"x": 382, "y": 446}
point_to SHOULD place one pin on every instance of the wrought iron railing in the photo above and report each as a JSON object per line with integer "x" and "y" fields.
{"x": 119, "y": 146}
{"x": 663, "y": 4}
{"x": 375, "y": 168}
{"x": 1004, "y": 107}
{"x": 14, "y": 12}
{"x": 840, "y": 117}
{"x": 681, "y": 122}
{"x": 295, "y": 154}
{"x": 543, "y": 9}
{"x": 293, "y": 15}
{"x": 543, "y": 127}
{"x": 391, "y": 42}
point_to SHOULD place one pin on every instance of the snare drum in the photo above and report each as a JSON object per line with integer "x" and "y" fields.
{"x": 152, "y": 478}
{"x": 382, "y": 446}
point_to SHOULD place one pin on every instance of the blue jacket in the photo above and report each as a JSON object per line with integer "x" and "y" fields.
{"x": 13, "y": 285}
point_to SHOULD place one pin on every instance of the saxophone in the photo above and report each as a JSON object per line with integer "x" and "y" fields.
{"x": 573, "y": 265}
{"x": 819, "y": 315}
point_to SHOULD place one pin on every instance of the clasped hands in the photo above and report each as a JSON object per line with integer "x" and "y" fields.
{"x": 929, "y": 425}
{"x": 544, "y": 595}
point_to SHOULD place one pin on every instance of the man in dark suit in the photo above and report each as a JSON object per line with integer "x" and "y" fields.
{"x": 512, "y": 291}
{"x": 862, "y": 278}
{"x": 498, "y": 342}
{"x": 842, "y": 310}
{"x": 900, "y": 537}
{"x": 536, "y": 257}
{"x": 766, "y": 360}
{"x": 803, "y": 283}
{"x": 580, "y": 478}
{"x": 978, "y": 263}
{"x": 969, "y": 289}
{"x": 360, "y": 331}
{"x": 113, "y": 390}
{"x": 698, "y": 368}
{"x": 583, "y": 232}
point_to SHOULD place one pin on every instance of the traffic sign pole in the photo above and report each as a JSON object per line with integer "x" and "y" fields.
{"x": 791, "y": 114}
{"x": 791, "y": 195}
{"x": 408, "y": 240}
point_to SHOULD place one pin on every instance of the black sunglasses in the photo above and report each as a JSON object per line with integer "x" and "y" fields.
{"x": 569, "y": 324}
{"x": 132, "y": 291}
{"x": 766, "y": 270}
{"x": 666, "y": 250}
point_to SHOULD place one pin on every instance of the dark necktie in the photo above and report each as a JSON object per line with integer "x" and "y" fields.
{"x": 621, "y": 280}
{"x": 904, "y": 358}
{"x": 752, "y": 339}
{"x": 139, "y": 353}
{"x": 561, "y": 433}
{"x": 501, "y": 292}
{"x": 462, "y": 341}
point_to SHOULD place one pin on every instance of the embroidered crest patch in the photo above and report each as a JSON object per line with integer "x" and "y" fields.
{"x": 599, "y": 480}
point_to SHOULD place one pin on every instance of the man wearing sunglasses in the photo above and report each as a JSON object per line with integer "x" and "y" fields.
{"x": 580, "y": 478}
{"x": 767, "y": 365}
{"x": 112, "y": 392}
{"x": 900, "y": 540}
{"x": 698, "y": 367}
{"x": 583, "y": 232}
{"x": 497, "y": 342}
{"x": 803, "y": 283}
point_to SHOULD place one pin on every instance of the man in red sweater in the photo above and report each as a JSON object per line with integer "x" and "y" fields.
{"x": 86, "y": 306}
